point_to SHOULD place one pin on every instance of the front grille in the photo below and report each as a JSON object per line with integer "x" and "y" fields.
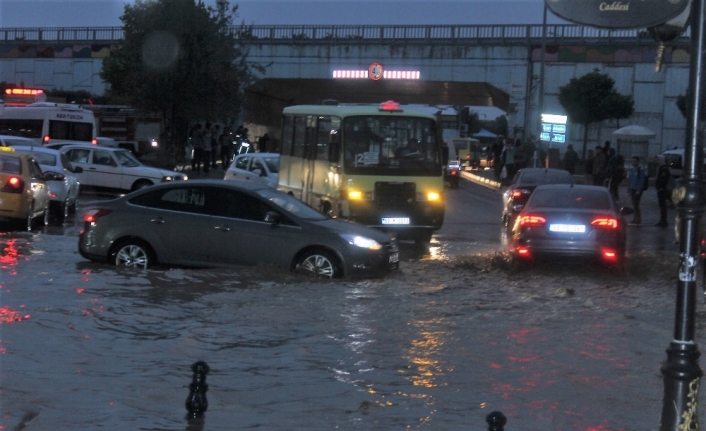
{"x": 395, "y": 195}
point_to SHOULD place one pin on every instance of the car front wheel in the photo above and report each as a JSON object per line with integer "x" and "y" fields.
{"x": 319, "y": 263}
{"x": 133, "y": 254}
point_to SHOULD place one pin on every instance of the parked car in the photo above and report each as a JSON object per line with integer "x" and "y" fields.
{"x": 566, "y": 222}
{"x": 255, "y": 167}
{"x": 14, "y": 141}
{"x": 61, "y": 177}
{"x": 24, "y": 195}
{"x": 452, "y": 173}
{"x": 106, "y": 142}
{"x": 216, "y": 223}
{"x": 523, "y": 184}
{"x": 115, "y": 168}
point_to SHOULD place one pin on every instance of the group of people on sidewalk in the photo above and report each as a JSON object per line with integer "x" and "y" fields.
{"x": 604, "y": 167}
{"x": 208, "y": 143}
{"x": 509, "y": 156}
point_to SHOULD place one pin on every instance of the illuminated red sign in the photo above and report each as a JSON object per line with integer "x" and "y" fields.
{"x": 375, "y": 71}
{"x": 23, "y": 91}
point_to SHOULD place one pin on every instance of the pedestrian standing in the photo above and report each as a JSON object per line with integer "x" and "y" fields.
{"x": 207, "y": 136}
{"x": 215, "y": 145}
{"x": 263, "y": 142}
{"x": 226, "y": 143}
{"x": 600, "y": 160}
{"x": 588, "y": 167}
{"x": 636, "y": 185}
{"x": 509, "y": 161}
{"x": 570, "y": 159}
{"x": 662, "y": 186}
{"x": 497, "y": 149}
{"x": 617, "y": 175}
{"x": 197, "y": 142}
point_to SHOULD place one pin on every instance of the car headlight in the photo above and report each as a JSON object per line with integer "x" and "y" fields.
{"x": 362, "y": 242}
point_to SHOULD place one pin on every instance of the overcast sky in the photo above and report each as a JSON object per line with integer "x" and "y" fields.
{"x": 83, "y": 13}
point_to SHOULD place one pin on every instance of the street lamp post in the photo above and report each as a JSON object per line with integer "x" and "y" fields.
{"x": 681, "y": 371}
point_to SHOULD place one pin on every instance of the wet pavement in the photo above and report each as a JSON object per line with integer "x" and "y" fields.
{"x": 437, "y": 345}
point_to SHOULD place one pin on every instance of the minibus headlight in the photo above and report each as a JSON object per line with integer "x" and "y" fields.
{"x": 355, "y": 195}
{"x": 362, "y": 241}
{"x": 430, "y": 196}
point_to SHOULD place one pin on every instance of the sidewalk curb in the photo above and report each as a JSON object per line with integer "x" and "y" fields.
{"x": 485, "y": 182}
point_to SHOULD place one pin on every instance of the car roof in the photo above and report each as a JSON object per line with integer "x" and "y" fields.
{"x": 87, "y": 145}
{"x": 23, "y": 138}
{"x": 560, "y": 187}
{"x": 37, "y": 149}
{"x": 240, "y": 185}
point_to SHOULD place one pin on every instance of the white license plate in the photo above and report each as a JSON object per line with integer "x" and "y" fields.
{"x": 574, "y": 228}
{"x": 395, "y": 220}
{"x": 394, "y": 257}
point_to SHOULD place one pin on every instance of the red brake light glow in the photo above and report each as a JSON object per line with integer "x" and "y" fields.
{"x": 390, "y": 105}
{"x": 46, "y": 139}
{"x": 522, "y": 251}
{"x": 605, "y": 222}
{"x": 13, "y": 185}
{"x": 94, "y": 141}
{"x": 517, "y": 193}
{"x": 609, "y": 254}
{"x": 92, "y": 215}
{"x": 532, "y": 220}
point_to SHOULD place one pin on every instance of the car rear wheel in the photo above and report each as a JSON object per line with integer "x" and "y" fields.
{"x": 29, "y": 223}
{"x": 319, "y": 263}
{"x": 133, "y": 254}
{"x": 62, "y": 212}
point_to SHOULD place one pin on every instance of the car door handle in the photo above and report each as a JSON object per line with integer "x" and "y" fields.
{"x": 223, "y": 228}
{"x": 158, "y": 220}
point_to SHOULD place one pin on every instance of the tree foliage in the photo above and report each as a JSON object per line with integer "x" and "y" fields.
{"x": 180, "y": 58}
{"x": 592, "y": 98}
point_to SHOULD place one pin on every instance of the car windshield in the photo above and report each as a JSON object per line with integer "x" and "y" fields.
{"x": 272, "y": 164}
{"x": 546, "y": 177}
{"x": 570, "y": 198}
{"x": 290, "y": 205}
{"x": 390, "y": 145}
{"x": 125, "y": 158}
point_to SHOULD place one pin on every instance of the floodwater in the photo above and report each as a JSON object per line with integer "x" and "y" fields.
{"x": 436, "y": 346}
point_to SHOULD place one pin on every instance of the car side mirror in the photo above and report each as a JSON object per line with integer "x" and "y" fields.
{"x": 273, "y": 217}
{"x": 77, "y": 169}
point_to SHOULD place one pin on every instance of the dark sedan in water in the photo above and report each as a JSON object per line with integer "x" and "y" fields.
{"x": 569, "y": 223}
{"x": 523, "y": 184}
{"x": 215, "y": 223}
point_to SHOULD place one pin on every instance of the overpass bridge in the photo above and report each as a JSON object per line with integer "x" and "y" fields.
{"x": 495, "y": 65}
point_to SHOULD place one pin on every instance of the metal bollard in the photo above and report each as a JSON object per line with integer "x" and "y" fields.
{"x": 496, "y": 421}
{"x": 196, "y": 402}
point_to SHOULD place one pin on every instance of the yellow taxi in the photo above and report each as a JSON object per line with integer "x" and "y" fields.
{"x": 24, "y": 195}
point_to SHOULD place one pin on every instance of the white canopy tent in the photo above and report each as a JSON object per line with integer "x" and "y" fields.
{"x": 633, "y": 141}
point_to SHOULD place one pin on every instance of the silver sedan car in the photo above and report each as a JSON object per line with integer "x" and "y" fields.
{"x": 61, "y": 177}
{"x": 215, "y": 223}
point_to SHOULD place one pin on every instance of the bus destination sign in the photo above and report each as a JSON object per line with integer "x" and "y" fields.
{"x": 620, "y": 14}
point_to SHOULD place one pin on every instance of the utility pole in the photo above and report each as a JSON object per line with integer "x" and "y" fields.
{"x": 681, "y": 371}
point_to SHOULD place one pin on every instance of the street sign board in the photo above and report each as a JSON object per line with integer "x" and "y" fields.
{"x": 623, "y": 14}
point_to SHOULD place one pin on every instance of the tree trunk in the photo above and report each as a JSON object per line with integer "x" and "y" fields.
{"x": 585, "y": 140}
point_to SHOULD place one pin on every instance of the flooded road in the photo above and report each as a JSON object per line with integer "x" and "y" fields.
{"x": 437, "y": 345}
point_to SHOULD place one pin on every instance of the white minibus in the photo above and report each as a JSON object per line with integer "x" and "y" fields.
{"x": 47, "y": 122}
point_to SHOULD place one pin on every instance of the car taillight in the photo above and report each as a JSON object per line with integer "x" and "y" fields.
{"x": 453, "y": 173}
{"x": 46, "y": 139}
{"x": 516, "y": 193}
{"x": 94, "y": 141}
{"x": 609, "y": 254}
{"x": 605, "y": 222}
{"x": 13, "y": 185}
{"x": 531, "y": 220}
{"x": 92, "y": 215}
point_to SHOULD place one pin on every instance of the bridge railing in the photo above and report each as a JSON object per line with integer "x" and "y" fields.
{"x": 369, "y": 34}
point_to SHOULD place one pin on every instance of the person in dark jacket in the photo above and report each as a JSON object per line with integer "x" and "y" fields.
{"x": 570, "y": 159}
{"x": 662, "y": 186}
